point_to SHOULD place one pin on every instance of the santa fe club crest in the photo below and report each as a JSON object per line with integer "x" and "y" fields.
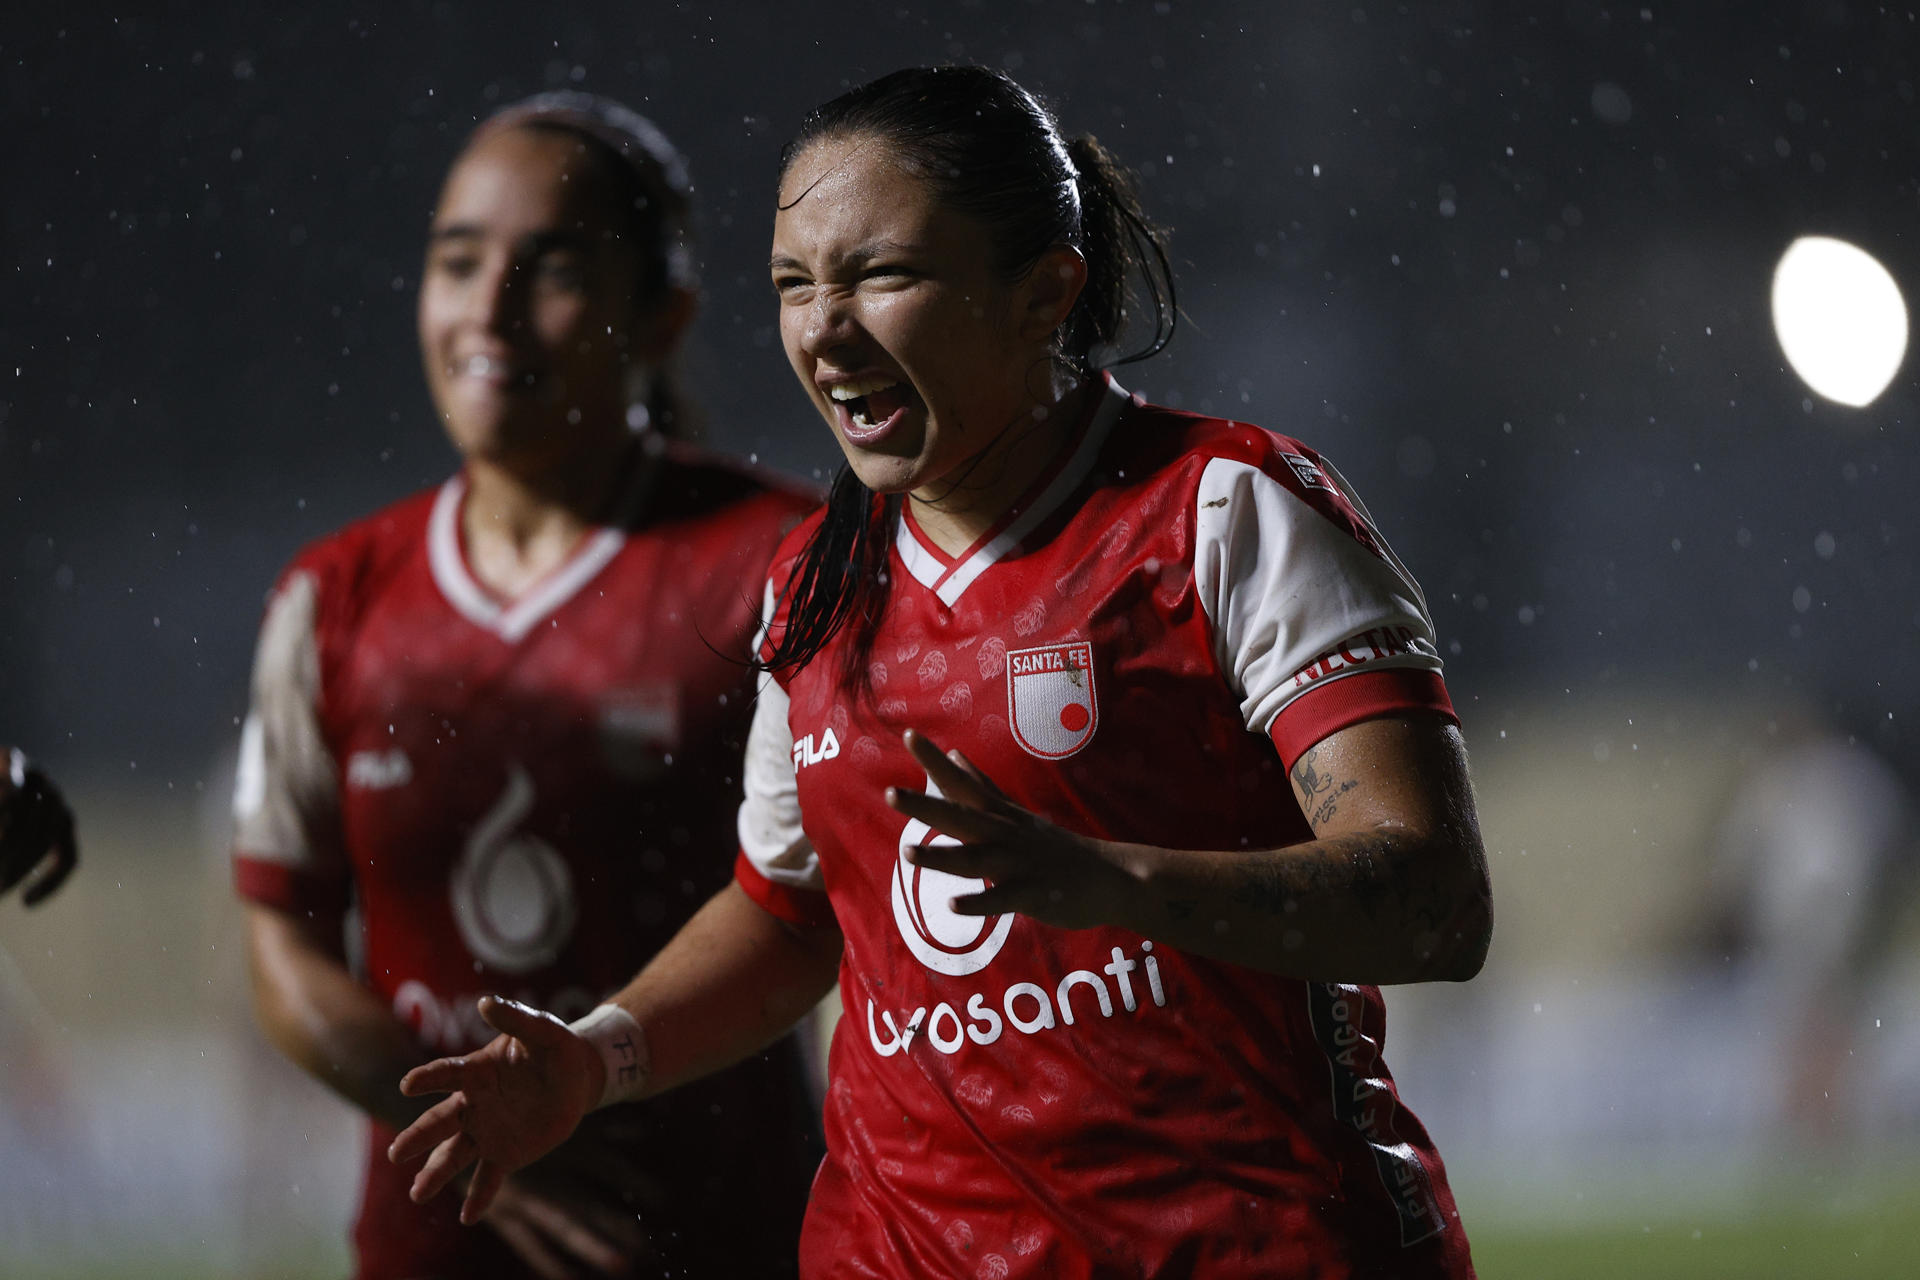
{"x": 1050, "y": 700}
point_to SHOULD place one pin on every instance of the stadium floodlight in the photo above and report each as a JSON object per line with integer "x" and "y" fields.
{"x": 1840, "y": 318}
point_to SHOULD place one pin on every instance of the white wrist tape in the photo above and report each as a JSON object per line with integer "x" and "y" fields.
{"x": 622, "y": 1046}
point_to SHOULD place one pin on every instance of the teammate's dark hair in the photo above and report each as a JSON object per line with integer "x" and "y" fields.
{"x": 991, "y": 150}
{"x": 653, "y": 219}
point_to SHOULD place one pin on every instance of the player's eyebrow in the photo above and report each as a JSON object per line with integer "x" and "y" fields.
{"x": 856, "y": 257}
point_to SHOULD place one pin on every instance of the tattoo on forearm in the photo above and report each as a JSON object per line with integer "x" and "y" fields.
{"x": 1307, "y": 775}
{"x": 1320, "y": 794}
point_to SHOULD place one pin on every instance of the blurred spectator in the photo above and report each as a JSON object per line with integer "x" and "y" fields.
{"x": 1803, "y": 860}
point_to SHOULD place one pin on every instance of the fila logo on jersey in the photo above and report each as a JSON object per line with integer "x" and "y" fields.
{"x": 805, "y": 753}
{"x": 1310, "y": 474}
{"x": 1051, "y": 705}
{"x": 379, "y": 770}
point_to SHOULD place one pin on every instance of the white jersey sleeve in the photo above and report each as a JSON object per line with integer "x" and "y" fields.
{"x": 771, "y": 838}
{"x": 286, "y": 802}
{"x": 1295, "y": 601}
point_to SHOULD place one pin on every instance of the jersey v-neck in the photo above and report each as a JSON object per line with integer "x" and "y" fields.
{"x": 513, "y": 619}
{"x": 947, "y": 576}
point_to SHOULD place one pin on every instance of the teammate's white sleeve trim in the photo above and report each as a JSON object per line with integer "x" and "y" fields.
{"x": 622, "y": 1046}
{"x": 769, "y": 824}
{"x": 286, "y": 802}
{"x": 1293, "y": 599}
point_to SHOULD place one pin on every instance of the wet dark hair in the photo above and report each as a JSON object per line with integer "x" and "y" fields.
{"x": 991, "y": 150}
{"x": 644, "y": 179}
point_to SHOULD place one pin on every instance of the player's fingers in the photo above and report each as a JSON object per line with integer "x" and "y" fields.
{"x": 981, "y": 780}
{"x": 432, "y": 1127}
{"x": 960, "y": 821}
{"x": 442, "y": 1167}
{"x": 620, "y": 1227}
{"x": 572, "y": 1234}
{"x": 442, "y": 1075}
{"x": 487, "y": 1177}
{"x": 535, "y": 1028}
{"x": 943, "y": 773}
{"x": 998, "y": 900}
{"x": 987, "y": 861}
{"x": 530, "y": 1247}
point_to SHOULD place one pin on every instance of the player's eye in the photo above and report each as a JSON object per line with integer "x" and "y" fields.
{"x": 560, "y": 271}
{"x": 459, "y": 264}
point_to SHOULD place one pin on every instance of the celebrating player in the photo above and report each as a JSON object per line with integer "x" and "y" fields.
{"x": 37, "y": 845}
{"x": 502, "y": 720}
{"x": 1039, "y": 675}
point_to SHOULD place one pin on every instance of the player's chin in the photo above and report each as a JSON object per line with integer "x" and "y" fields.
{"x": 882, "y": 472}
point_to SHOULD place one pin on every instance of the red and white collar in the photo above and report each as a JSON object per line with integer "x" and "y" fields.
{"x": 949, "y": 576}
{"x": 512, "y": 620}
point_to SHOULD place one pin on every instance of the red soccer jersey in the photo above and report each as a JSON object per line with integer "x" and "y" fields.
{"x": 530, "y": 797}
{"x": 1182, "y": 596}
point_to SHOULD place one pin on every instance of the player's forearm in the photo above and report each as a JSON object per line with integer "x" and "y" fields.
{"x": 313, "y": 1010}
{"x": 1385, "y": 905}
{"x": 732, "y": 981}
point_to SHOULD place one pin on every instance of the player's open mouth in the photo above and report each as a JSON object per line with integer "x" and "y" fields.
{"x": 868, "y": 409}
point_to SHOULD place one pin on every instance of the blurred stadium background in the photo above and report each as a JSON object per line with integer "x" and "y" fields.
{"x": 1509, "y": 266}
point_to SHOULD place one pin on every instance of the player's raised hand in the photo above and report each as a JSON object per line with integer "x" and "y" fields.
{"x": 36, "y": 830}
{"x": 1032, "y": 866}
{"x": 511, "y": 1103}
{"x": 583, "y": 1206}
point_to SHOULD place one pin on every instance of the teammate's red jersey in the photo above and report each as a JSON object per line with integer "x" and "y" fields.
{"x": 530, "y": 798}
{"x": 1140, "y": 652}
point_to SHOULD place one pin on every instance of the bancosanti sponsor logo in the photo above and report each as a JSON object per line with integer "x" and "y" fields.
{"x": 1024, "y": 1007}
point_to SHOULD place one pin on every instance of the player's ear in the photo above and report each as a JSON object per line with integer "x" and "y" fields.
{"x": 1049, "y": 291}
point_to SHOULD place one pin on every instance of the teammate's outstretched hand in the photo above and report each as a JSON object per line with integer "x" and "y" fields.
{"x": 36, "y": 830}
{"x": 1031, "y": 866}
{"x": 512, "y": 1102}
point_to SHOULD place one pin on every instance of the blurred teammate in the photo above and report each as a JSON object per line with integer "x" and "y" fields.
{"x": 501, "y": 721}
{"x": 1107, "y": 983}
{"x": 37, "y": 845}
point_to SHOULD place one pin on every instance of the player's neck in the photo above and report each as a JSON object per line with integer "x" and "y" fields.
{"x": 519, "y": 524}
{"x": 955, "y": 514}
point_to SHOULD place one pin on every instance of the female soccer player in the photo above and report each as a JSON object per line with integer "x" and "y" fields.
{"x": 502, "y": 720}
{"x": 1108, "y": 985}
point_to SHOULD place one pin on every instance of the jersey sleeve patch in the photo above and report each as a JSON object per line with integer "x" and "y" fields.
{"x": 286, "y": 804}
{"x": 1300, "y": 591}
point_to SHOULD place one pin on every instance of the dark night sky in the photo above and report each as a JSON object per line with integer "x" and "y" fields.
{"x": 1509, "y": 272}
